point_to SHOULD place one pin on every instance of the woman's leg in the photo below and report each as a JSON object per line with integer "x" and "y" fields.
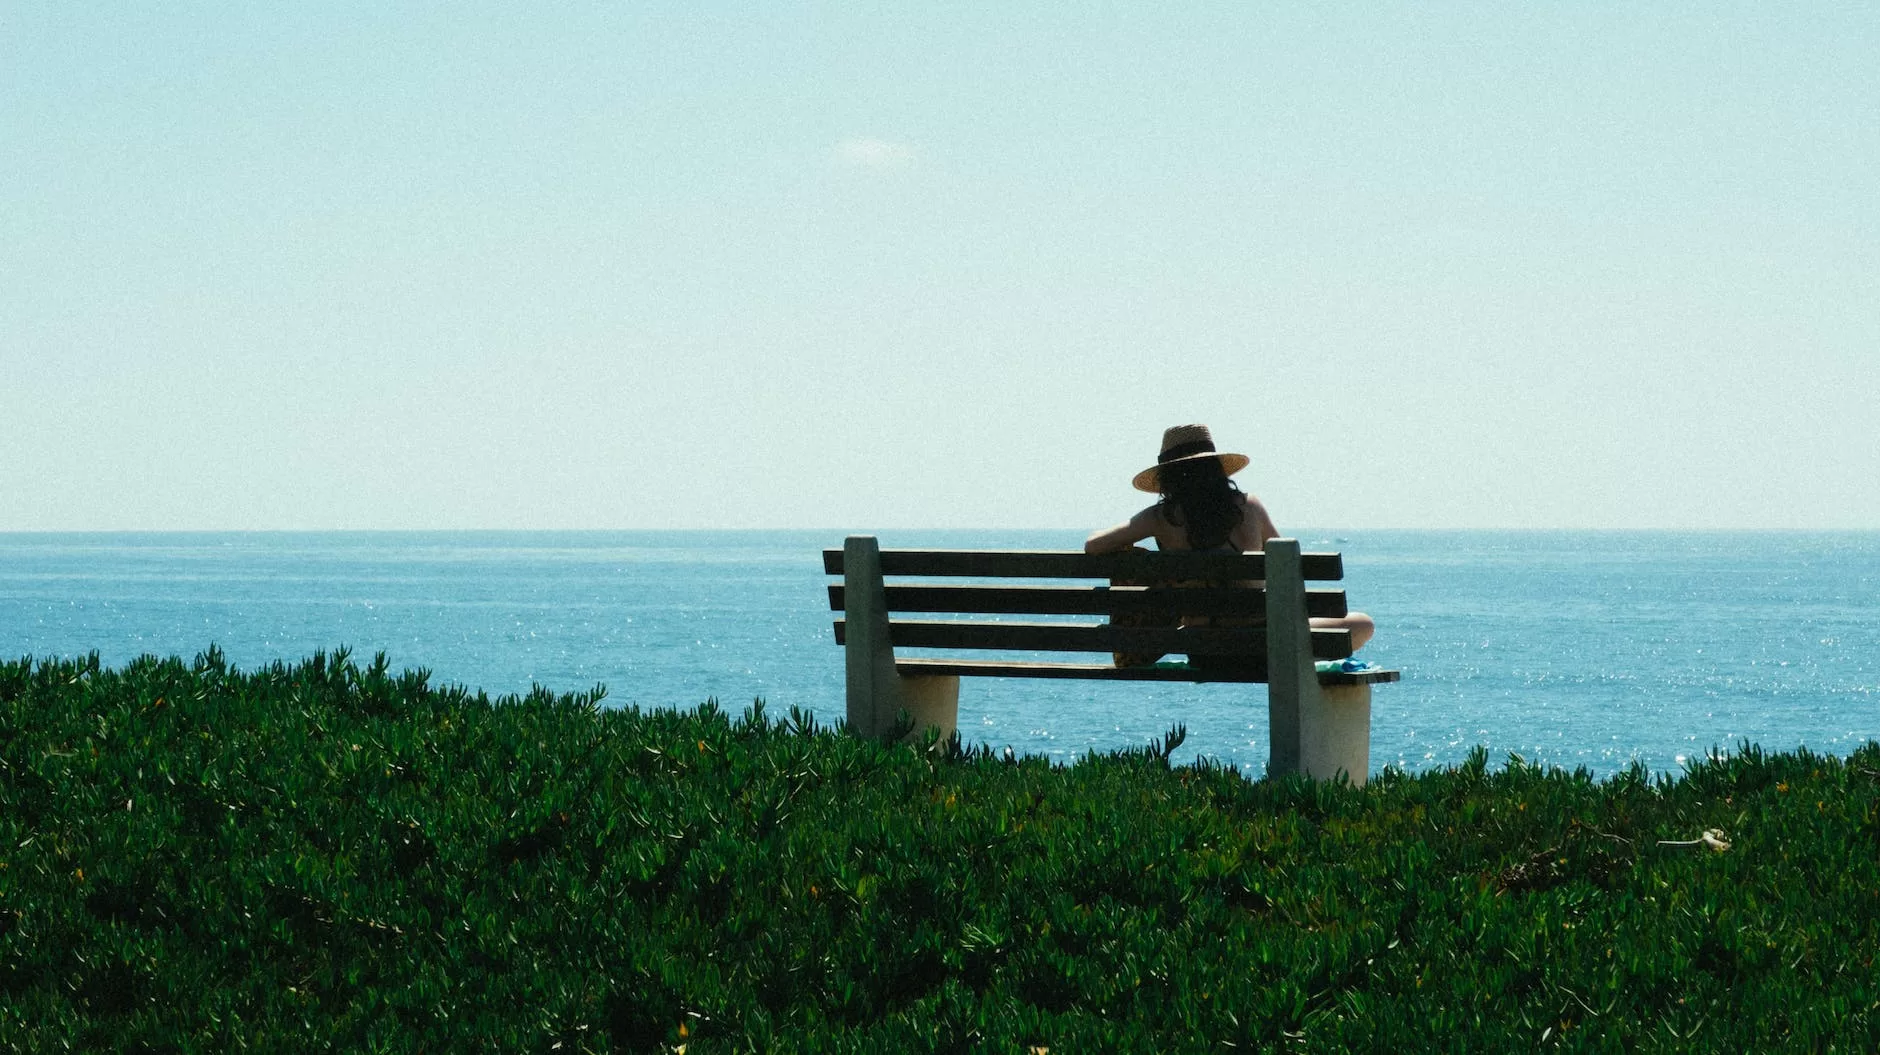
{"x": 1360, "y": 625}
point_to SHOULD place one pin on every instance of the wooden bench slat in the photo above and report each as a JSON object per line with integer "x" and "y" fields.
{"x": 1084, "y": 637}
{"x": 1064, "y": 564}
{"x": 1101, "y": 672}
{"x": 1359, "y": 677}
{"x": 1093, "y": 671}
{"x": 1090, "y": 600}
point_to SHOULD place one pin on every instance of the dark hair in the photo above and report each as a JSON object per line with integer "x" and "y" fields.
{"x": 1198, "y": 497}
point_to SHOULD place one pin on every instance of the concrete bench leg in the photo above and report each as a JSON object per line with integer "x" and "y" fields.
{"x": 933, "y": 702}
{"x": 877, "y": 693}
{"x": 1317, "y": 730}
{"x": 1335, "y": 735}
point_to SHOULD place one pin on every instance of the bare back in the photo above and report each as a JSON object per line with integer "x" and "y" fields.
{"x": 1249, "y": 536}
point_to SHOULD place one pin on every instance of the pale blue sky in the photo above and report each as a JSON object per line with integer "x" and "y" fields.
{"x": 384, "y": 265}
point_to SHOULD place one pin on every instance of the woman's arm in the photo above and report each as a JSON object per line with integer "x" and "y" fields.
{"x": 1123, "y": 536}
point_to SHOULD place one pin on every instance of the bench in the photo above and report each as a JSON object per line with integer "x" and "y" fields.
{"x": 1320, "y": 720}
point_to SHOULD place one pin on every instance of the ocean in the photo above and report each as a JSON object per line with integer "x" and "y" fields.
{"x": 1575, "y": 649}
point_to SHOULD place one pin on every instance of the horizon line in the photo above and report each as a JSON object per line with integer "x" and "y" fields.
{"x": 875, "y": 529}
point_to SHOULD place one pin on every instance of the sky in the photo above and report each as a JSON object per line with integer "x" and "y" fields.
{"x": 386, "y": 265}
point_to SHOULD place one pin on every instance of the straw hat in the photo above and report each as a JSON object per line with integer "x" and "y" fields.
{"x": 1186, "y": 443}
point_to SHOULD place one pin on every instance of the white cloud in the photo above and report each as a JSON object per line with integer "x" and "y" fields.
{"x": 873, "y": 153}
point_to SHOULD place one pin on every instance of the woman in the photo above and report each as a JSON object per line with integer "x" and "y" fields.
{"x": 1201, "y": 509}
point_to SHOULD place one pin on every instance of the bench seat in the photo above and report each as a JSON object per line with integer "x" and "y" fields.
{"x": 915, "y": 668}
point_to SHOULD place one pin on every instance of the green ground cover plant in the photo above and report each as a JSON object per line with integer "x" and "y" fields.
{"x": 330, "y": 856}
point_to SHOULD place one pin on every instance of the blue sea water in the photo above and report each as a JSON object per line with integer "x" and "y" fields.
{"x": 1568, "y": 648}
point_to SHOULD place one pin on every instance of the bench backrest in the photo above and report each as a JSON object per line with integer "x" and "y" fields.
{"x": 1224, "y": 587}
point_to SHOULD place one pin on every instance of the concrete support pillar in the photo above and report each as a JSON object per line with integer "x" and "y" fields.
{"x": 1335, "y": 736}
{"x": 933, "y": 702}
{"x": 1320, "y": 731}
{"x": 876, "y": 692}
{"x": 1292, "y": 679}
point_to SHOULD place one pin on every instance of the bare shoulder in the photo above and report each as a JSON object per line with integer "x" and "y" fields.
{"x": 1253, "y": 510}
{"x": 1255, "y": 520}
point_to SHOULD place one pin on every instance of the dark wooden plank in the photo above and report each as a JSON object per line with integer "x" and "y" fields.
{"x": 1101, "y": 672}
{"x": 1085, "y": 671}
{"x": 1083, "y": 637}
{"x": 1068, "y": 564}
{"x": 1091, "y": 600}
{"x": 1359, "y": 677}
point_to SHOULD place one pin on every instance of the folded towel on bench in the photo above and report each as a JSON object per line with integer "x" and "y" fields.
{"x": 1344, "y": 666}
